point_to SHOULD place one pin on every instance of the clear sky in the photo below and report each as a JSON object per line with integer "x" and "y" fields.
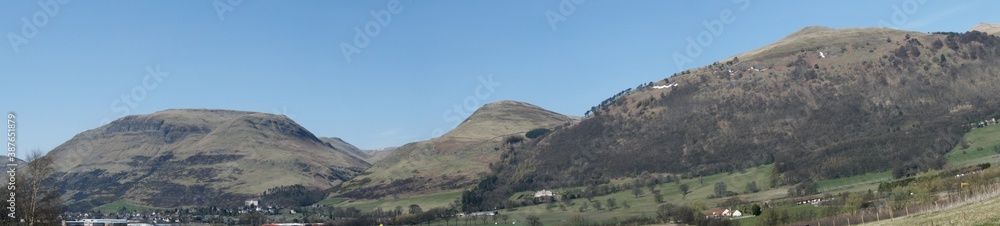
{"x": 69, "y": 66}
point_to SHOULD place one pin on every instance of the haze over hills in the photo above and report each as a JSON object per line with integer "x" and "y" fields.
{"x": 821, "y": 103}
{"x": 454, "y": 160}
{"x": 378, "y": 154}
{"x": 370, "y": 156}
{"x": 197, "y": 157}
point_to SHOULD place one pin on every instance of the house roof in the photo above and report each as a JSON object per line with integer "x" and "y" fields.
{"x": 717, "y": 212}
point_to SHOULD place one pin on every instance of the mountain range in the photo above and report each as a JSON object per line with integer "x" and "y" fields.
{"x": 454, "y": 160}
{"x": 818, "y": 104}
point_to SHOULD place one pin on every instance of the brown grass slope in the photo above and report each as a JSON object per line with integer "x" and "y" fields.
{"x": 989, "y": 28}
{"x": 818, "y": 38}
{"x": 339, "y": 144}
{"x": 454, "y": 160}
{"x": 378, "y": 154}
{"x": 877, "y": 100}
{"x": 370, "y": 156}
{"x": 177, "y": 158}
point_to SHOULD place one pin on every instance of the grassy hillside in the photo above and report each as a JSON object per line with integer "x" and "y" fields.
{"x": 978, "y": 146}
{"x": 993, "y": 29}
{"x": 342, "y": 146}
{"x": 117, "y": 206}
{"x": 980, "y": 213}
{"x": 440, "y": 199}
{"x": 643, "y": 205}
{"x": 877, "y": 104}
{"x": 454, "y": 160}
{"x": 846, "y": 182}
{"x": 178, "y": 158}
{"x": 877, "y": 100}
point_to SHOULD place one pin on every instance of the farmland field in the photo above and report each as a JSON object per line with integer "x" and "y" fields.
{"x": 982, "y": 145}
{"x": 981, "y": 213}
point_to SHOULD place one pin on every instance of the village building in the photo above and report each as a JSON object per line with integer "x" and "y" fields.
{"x": 814, "y": 200}
{"x": 969, "y": 171}
{"x": 544, "y": 193}
{"x": 92, "y": 222}
{"x": 252, "y": 202}
{"x": 720, "y": 213}
{"x": 480, "y": 213}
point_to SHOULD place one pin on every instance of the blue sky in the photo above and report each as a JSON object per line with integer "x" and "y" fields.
{"x": 68, "y": 70}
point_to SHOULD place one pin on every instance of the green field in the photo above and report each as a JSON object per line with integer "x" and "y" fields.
{"x": 981, "y": 141}
{"x": 441, "y": 199}
{"x": 700, "y": 188}
{"x": 645, "y": 205}
{"x": 849, "y": 182}
{"x": 116, "y": 206}
{"x": 982, "y": 144}
{"x": 981, "y": 213}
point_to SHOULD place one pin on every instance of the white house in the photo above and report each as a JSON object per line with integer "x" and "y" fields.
{"x": 737, "y": 213}
{"x": 252, "y": 202}
{"x": 543, "y": 193}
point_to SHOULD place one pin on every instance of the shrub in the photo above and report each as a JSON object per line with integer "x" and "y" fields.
{"x": 514, "y": 139}
{"x": 535, "y": 133}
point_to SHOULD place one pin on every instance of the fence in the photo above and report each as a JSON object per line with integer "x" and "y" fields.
{"x": 945, "y": 201}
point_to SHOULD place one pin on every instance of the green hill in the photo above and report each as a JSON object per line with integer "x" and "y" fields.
{"x": 178, "y": 158}
{"x": 876, "y": 100}
{"x": 454, "y": 160}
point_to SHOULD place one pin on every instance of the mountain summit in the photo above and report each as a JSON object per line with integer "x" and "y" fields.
{"x": 820, "y": 104}
{"x": 454, "y": 160}
{"x": 197, "y": 157}
{"x": 989, "y": 28}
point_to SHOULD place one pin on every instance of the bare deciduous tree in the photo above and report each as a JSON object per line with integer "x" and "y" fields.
{"x": 37, "y": 192}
